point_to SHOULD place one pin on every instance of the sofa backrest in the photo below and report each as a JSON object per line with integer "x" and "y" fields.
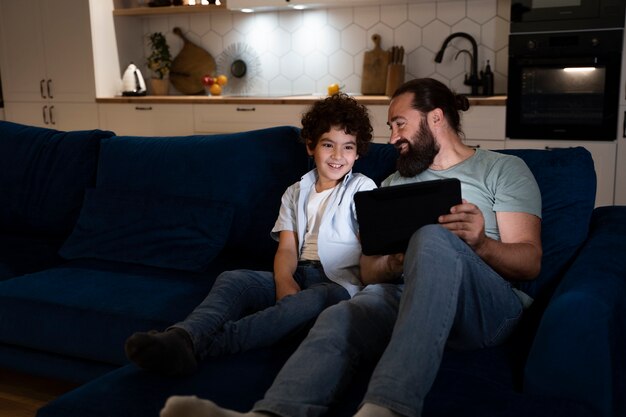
{"x": 180, "y": 201}
{"x": 43, "y": 175}
{"x": 567, "y": 181}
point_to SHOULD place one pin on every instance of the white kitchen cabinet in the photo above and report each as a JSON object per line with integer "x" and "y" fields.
{"x": 54, "y": 115}
{"x": 228, "y": 118}
{"x": 147, "y": 119}
{"x": 378, "y": 118}
{"x": 46, "y": 59}
{"x": 484, "y": 126}
{"x": 603, "y": 154}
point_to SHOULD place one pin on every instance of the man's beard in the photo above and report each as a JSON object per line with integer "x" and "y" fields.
{"x": 421, "y": 152}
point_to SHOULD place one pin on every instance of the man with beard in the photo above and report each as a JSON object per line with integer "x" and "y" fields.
{"x": 451, "y": 288}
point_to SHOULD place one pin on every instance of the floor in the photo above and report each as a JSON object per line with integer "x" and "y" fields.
{"x": 22, "y": 395}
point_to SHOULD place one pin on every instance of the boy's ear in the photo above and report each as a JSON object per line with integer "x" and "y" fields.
{"x": 308, "y": 147}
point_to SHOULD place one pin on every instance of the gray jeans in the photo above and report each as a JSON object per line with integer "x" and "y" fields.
{"x": 450, "y": 298}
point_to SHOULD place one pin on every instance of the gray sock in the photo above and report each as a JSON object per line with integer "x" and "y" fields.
{"x": 373, "y": 410}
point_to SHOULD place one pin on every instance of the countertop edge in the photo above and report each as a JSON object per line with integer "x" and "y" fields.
{"x": 201, "y": 99}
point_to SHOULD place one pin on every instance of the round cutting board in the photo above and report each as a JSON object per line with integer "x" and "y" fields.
{"x": 189, "y": 66}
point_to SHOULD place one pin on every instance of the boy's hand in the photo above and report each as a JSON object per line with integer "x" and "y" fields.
{"x": 286, "y": 287}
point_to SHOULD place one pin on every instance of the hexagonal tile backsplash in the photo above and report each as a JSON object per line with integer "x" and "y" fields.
{"x": 302, "y": 52}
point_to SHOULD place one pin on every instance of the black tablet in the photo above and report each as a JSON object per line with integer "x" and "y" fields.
{"x": 388, "y": 216}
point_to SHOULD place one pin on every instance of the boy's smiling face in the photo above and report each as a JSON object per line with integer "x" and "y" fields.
{"x": 334, "y": 154}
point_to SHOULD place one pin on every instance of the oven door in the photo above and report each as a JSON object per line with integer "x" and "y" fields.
{"x": 561, "y": 97}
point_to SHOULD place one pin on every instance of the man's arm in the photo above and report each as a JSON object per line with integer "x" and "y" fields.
{"x": 285, "y": 264}
{"x": 517, "y": 256}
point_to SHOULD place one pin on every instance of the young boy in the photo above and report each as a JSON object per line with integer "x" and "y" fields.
{"x": 312, "y": 270}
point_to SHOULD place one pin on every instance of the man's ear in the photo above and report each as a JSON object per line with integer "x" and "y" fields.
{"x": 435, "y": 117}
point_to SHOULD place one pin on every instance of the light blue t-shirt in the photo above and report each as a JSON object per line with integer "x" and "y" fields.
{"x": 339, "y": 248}
{"x": 491, "y": 180}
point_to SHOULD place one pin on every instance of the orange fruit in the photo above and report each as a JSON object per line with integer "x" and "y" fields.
{"x": 222, "y": 80}
{"x": 215, "y": 90}
{"x": 333, "y": 89}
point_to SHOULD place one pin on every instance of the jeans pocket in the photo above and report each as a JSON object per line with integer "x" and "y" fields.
{"x": 505, "y": 329}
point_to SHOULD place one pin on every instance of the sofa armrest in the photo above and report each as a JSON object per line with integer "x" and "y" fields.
{"x": 579, "y": 351}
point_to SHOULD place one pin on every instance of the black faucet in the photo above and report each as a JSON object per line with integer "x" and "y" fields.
{"x": 473, "y": 79}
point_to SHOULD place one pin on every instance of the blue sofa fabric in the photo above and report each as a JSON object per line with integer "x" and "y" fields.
{"x": 43, "y": 175}
{"x": 582, "y": 337}
{"x": 152, "y": 230}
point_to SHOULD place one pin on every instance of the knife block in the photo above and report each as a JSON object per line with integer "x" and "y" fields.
{"x": 395, "y": 78}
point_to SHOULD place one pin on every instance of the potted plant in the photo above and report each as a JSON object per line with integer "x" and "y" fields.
{"x": 159, "y": 62}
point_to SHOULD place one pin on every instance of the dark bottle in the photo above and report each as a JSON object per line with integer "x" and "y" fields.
{"x": 487, "y": 80}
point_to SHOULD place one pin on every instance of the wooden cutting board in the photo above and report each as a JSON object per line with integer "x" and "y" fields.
{"x": 375, "y": 63}
{"x": 189, "y": 66}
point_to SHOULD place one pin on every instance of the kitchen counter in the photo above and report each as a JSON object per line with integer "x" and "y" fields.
{"x": 304, "y": 99}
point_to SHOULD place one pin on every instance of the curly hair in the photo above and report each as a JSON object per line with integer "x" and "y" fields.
{"x": 339, "y": 110}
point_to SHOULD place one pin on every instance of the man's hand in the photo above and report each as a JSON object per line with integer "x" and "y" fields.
{"x": 467, "y": 222}
{"x": 285, "y": 287}
{"x": 384, "y": 268}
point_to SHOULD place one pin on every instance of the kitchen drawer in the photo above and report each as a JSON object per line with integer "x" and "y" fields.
{"x": 228, "y": 118}
{"x": 147, "y": 119}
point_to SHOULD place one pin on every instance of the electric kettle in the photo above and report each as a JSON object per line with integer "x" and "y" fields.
{"x": 132, "y": 82}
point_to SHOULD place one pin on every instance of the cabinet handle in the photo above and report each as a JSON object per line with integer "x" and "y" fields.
{"x": 41, "y": 88}
{"x": 246, "y": 109}
{"x": 474, "y": 146}
{"x": 552, "y": 148}
{"x": 45, "y": 114}
{"x": 51, "y": 115}
{"x": 143, "y": 108}
{"x": 48, "y": 87}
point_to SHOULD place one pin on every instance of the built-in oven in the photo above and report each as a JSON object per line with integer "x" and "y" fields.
{"x": 564, "y": 85}
{"x": 565, "y": 15}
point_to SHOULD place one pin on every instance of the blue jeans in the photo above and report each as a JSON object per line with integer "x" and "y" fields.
{"x": 241, "y": 313}
{"x": 450, "y": 298}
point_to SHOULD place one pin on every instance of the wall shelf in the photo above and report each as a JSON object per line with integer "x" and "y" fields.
{"x": 149, "y": 11}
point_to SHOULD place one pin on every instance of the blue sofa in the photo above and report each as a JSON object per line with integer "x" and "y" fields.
{"x": 102, "y": 236}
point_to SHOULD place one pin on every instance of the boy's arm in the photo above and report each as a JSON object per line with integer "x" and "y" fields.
{"x": 285, "y": 264}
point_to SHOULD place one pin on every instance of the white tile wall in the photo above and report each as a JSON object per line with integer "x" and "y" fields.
{"x": 302, "y": 52}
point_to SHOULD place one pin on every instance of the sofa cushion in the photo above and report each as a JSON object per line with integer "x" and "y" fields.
{"x": 149, "y": 229}
{"x": 86, "y": 309}
{"x": 378, "y": 163}
{"x": 249, "y": 170}
{"x": 43, "y": 177}
{"x": 578, "y": 352}
{"x": 567, "y": 181}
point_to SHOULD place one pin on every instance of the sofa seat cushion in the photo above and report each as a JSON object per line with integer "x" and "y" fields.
{"x": 149, "y": 229}
{"x": 43, "y": 177}
{"x": 87, "y": 309}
